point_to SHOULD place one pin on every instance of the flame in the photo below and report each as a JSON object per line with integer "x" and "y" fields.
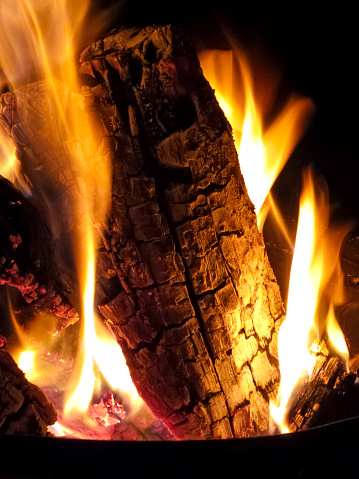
{"x": 10, "y": 167}
{"x": 262, "y": 150}
{"x": 336, "y": 337}
{"x": 26, "y": 363}
{"x": 313, "y": 267}
{"x": 38, "y": 41}
{"x": 98, "y": 347}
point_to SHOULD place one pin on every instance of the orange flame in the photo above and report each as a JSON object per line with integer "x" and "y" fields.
{"x": 314, "y": 264}
{"x": 37, "y": 41}
{"x": 262, "y": 153}
{"x": 262, "y": 150}
{"x": 10, "y": 167}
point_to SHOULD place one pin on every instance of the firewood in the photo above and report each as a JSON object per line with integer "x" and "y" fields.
{"x": 184, "y": 281}
{"x": 27, "y": 257}
{"x": 330, "y": 394}
{"x": 24, "y": 409}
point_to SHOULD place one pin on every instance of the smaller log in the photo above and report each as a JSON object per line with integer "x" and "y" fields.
{"x": 330, "y": 394}
{"x": 24, "y": 409}
{"x": 27, "y": 257}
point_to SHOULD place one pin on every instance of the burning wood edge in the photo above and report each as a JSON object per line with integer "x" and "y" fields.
{"x": 24, "y": 408}
{"x": 27, "y": 256}
{"x": 328, "y": 395}
{"x": 184, "y": 282}
{"x": 331, "y": 392}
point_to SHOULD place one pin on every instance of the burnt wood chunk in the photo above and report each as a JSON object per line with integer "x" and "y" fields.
{"x": 197, "y": 306}
{"x": 330, "y": 393}
{"x": 27, "y": 256}
{"x": 24, "y": 409}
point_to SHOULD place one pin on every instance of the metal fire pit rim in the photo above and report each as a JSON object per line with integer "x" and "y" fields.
{"x": 324, "y": 449}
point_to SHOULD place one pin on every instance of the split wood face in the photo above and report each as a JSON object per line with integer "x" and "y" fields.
{"x": 184, "y": 280}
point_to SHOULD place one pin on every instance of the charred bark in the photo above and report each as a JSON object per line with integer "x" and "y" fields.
{"x": 27, "y": 257}
{"x": 330, "y": 394}
{"x": 24, "y": 408}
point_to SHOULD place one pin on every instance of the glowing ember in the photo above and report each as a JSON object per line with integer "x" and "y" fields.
{"x": 108, "y": 410}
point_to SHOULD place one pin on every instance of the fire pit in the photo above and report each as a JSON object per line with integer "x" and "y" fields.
{"x": 325, "y": 450}
{"x": 183, "y": 278}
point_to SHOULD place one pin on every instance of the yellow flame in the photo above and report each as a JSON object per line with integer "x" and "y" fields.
{"x": 98, "y": 347}
{"x": 26, "y": 363}
{"x": 37, "y": 41}
{"x": 108, "y": 356}
{"x": 81, "y": 395}
{"x": 10, "y": 167}
{"x": 336, "y": 337}
{"x": 312, "y": 269}
{"x": 262, "y": 150}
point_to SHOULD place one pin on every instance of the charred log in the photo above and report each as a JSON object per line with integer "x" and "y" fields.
{"x": 27, "y": 257}
{"x": 197, "y": 306}
{"x": 188, "y": 291}
{"x": 330, "y": 394}
{"x": 24, "y": 409}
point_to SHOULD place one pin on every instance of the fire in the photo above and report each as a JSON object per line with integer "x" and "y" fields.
{"x": 38, "y": 41}
{"x": 262, "y": 150}
{"x": 335, "y": 336}
{"x": 26, "y": 363}
{"x": 10, "y": 166}
{"x": 98, "y": 347}
{"x": 314, "y": 267}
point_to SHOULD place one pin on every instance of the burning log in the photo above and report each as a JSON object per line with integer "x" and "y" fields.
{"x": 331, "y": 391}
{"x": 24, "y": 407}
{"x": 197, "y": 306}
{"x": 184, "y": 280}
{"x": 27, "y": 257}
{"x": 330, "y": 394}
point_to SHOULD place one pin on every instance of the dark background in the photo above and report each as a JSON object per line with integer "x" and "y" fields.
{"x": 316, "y": 48}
